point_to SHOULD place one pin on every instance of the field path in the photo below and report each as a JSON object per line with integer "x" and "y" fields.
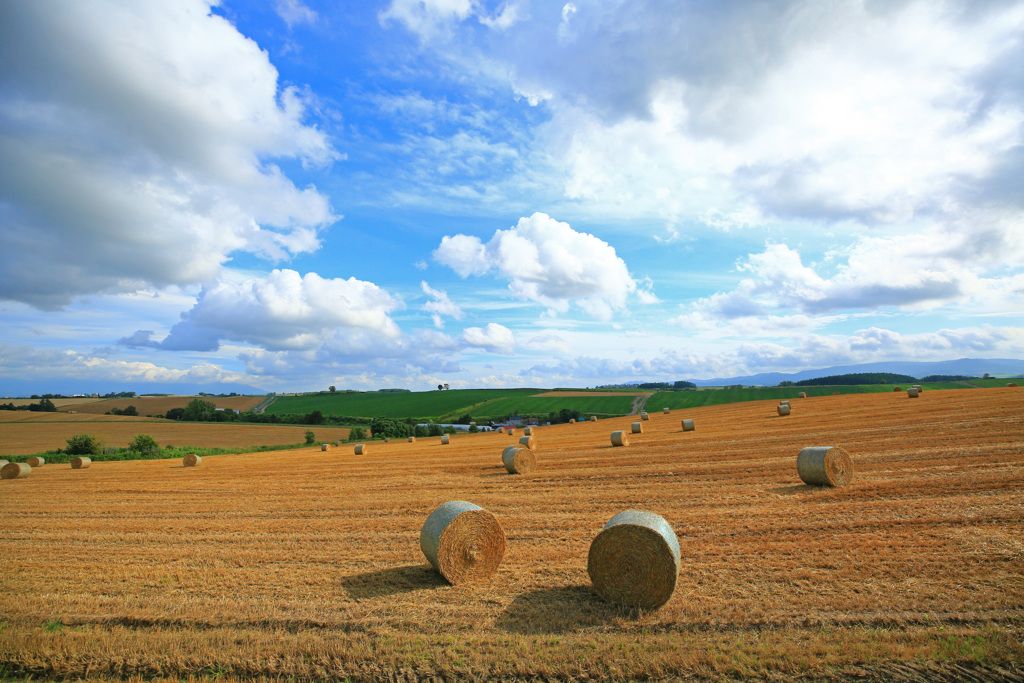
{"x": 639, "y": 403}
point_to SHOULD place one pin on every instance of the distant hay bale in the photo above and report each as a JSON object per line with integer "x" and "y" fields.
{"x": 412, "y": 439}
{"x": 824, "y": 466}
{"x": 191, "y": 460}
{"x": 784, "y": 410}
{"x": 81, "y": 463}
{"x": 638, "y": 427}
{"x": 644, "y": 416}
{"x": 360, "y": 449}
{"x": 518, "y": 460}
{"x": 919, "y": 388}
{"x": 528, "y": 431}
{"x": 1010, "y": 384}
{"x": 593, "y": 418}
{"x": 323, "y": 447}
{"x": 572, "y": 420}
{"x": 912, "y": 392}
{"x": 15, "y": 470}
{"x": 835, "y": 393}
{"x": 526, "y": 442}
{"x": 337, "y": 443}
{"x": 896, "y": 389}
{"x": 511, "y": 431}
{"x": 634, "y": 561}
{"x": 445, "y": 440}
{"x": 620, "y": 438}
{"x": 783, "y": 403}
{"x": 802, "y": 394}
{"x": 666, "y": 411}
{"x": 463, "y": 542}
{"x": 688, "y": 426}
{"x": 35, "y": 461}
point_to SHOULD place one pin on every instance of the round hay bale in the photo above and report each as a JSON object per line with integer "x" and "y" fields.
{"x": 634, "y": 561}
{"x": 412, "y": 439}
{"x": 511, "y": 431}
{"x": 445, "y": 439}
{"x": 688, "y": 426}
{"x": 337, "y": 443}
{"x": 1010, "y": 384}
{"x": 593, "y": 418}
{"x": 784, "y": 410}
{"x": 665, "y": 410}
{"x": 620, "y": 438}
{"x": 824, "y": 466}
{"x": 644, "y": 416}
{"x": 896, "y": 389}
{"x": 81, "y": 463}
{"x": 3, "y": 462}
{"x": 35, "y": 461}
{"x": 360, "y": 449}
{"x": 518, "y": 460}
{"x": 919, "y": 388}
{"x": 15, "y": 470}
{"x": 387, "y": 439}
{"x": 783, "y": 403}
{"x": 323, "y": 447}
{"x": 638, "y": 427}
{"x": 528, "y": 431}
{"x": 835, "y": 393}
{"x": 191, "y": 460}
{"x": 912, "y": 393}
{"x": 802, "y": 394}
{"x": 572, "y": 420}
{"x": 526, "y": 442}
{"x": 463, "y": 542}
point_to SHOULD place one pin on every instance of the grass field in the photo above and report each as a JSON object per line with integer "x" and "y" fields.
{"x": 309, "y": 568}
{"x": 25, "y": 433}
{"x": 159, "y": 405}
{"x": 421, "y": 404}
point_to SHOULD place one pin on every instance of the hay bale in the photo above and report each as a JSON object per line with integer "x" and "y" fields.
{"x": 445, "y": 440}
{"x": 620, "y": 438}
{"x": 638, "y": 427}
{"x": 644, "y": 416}
{"x": 824, "y": 466}
{"x": 896, "y": 389}
{"x": 81, "y": 463}
{"x": 919, "y": 388}
{"x": 665, "y": 410}
{"x": 912, "y": 392}
{"x": 572, "y": 420}
{"x": 593, "y": 418}
{"x": 526, "y": 442}
{"x": 3, "y": 462}
{"x": 783, "y": 403}
{"x": 835, "y": 393}
{"x": 337, "y": 443}
{"x": 1010, "y": 384}
{"x": 15, "y": 470}
{"x": 360, "y": 449}
{"x": 191, "y": 460}
{"x": 462, "y": 541}
{"x": 323, "y": 447}
{"x": 35, "y": 461}
{"x": 634, "y": 561}
{"x": 802, "y": 394}
{"x": 784, "y": 410}
{"x": 518, "y": 460}
{"x": 688, "y": 426}
{"x": 412, "y": 439}
{"x": 528, "y": 431}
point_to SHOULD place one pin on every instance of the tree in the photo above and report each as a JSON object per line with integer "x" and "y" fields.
{"x": 144, "y": 444}
{"x": 46, "y": 406}
{"x": 314, "y": 418}
{"x": 356, "y": 434}
{"x": 83, "y": 444}
{"x": 175, "y": 413}
{"x": 440, "y": 387}
{"x": 446, "y": 385}
{"x": 332, "y": 388}
{"x": 310, "y": 437}
{"x": 130, "y": 410}
{"x": 199, "y": 410}
{"x": 434, "y": 430}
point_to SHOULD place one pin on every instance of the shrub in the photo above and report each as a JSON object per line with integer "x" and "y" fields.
{"x": 83, "y": 444}
{"x": 357, "y": 434}
{"x": 144, "y": 444}
{"x": 310, "y": 437}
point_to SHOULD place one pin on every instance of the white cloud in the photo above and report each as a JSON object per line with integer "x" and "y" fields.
{"x": 137, "y": 141}
{"x": 295, "y": 12}
{"x": 548, "y": 262}
{"x": 496, "y": 338}
{"x": 431, "y": 18}
{"x": 282, "y": 311}
{"x": 440, "y": 305}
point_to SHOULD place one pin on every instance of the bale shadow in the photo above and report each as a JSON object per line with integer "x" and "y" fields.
{"x": 388, "y": 582}
{"x": 793, "y": 489}
{"x": 558, "y": 610}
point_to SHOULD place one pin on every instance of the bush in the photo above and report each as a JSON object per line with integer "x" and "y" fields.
{"x": 310, "y": 437}
{"x": 144, "y": 444}
{"x": 83, "y": 444}
{"x": 357, "y": 434}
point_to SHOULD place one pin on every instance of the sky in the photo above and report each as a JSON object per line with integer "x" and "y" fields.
{"x": 287, "y": 194}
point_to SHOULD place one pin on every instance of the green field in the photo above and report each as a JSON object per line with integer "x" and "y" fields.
{"x": 426, "y": 405}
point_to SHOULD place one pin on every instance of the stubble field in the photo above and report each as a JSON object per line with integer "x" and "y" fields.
{"x": 307, "y": 564}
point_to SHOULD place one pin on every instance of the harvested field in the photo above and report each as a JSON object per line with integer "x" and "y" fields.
{"x": 914, "y": 571}
{"x": 61, "y": 403}
{"x": 23, "y": 433}
{"x": 159, "y": 405}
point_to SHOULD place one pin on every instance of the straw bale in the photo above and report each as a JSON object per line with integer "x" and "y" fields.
{"x": 593, "y": 418}
{"x": 15, "y": 470}
{"x": 80, "y": 463}
{"x": 634, "y": 561}
{"x": 638, "y": 427}
{"x": 518, "y": 460}
{"x": 192, "y": 460}
{"x": 528, "y": 431}
{"x": 620, "y": 438}
{"x": 688, "y": 426}
{"x": 445, "y": 439}
{"x": 360, "y": 449}
{"x": 912, "y": 392}
{"x": 1011, "y": 384}
{"x": 572, "y": 420}
{"x": 824, "y": 466}
{"x": 784, "y": 410}
{"x": 3, "y": 462}
{"x": 896, "y": 389}
{"x": 463, "y": 542}
{"x": 323, "y": 447}
{"x": 919, "y": 388}
{"x": 526, "y": 442}
{"x": 666, "y": 410}
{"x": 35, "y": 461}
{"x": 783, "y": 403}
{"x": 644, "y": 416}
{"x": 412, "y": 439}
{"x": 802, "y": 394}
{"x": 835, "y": 393}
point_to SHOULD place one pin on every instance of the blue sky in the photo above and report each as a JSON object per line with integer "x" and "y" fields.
{"x": 288, "y": 195}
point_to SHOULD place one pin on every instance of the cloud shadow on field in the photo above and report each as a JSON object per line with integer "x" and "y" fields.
{"x": 557, "y": 610}
{"x": 388, "y": 582}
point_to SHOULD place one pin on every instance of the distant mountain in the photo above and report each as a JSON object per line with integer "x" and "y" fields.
{"x": 996, "y": 367}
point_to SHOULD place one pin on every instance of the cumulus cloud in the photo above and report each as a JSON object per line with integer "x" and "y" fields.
{"x": 295, "y": 12}
{"x": 494, "y": 337}
{"x": 137, "y": 142}
{"x": 283, "y": 311}
{"x": 440, "y": 305}
{"x": 546, "y": 261}
{"x": 429, "y": 18}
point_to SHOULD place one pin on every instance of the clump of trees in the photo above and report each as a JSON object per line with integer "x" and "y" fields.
{"x": 83, "y": 444}
{"x": 43, "y": 406}
{"x": 144, "y": 444}
{"x": 130, "y": 410}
